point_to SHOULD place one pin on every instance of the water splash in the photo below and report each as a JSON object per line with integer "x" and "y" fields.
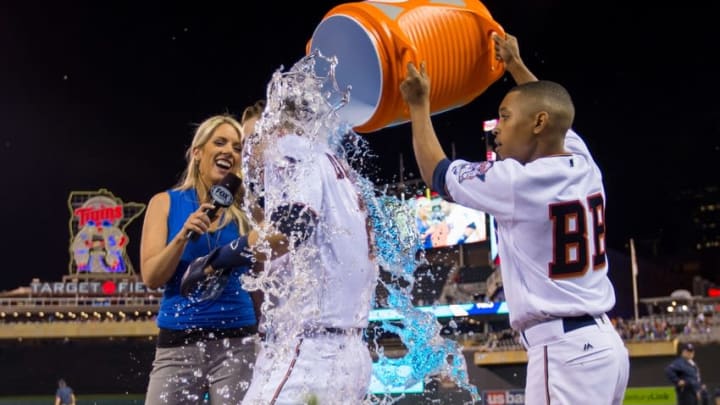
{"x": 294, "y": 105}
{"x": 301, "y": 102}
{"x": 428, "y": 353}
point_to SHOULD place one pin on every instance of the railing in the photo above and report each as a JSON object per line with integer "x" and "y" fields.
{"x": 142, "y": 308}
{"x": 78, "y": 329}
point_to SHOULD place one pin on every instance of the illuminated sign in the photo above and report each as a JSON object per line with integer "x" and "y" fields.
{"x": 488, "y": 127}
{"x": 504, "y": 397}
{"x": 108, "y": 287}
{"x": 650, "y": 395}
{"x": 441, "y": 223}
{"x": 444, "y": 311}
{"x": 97, "y": 225}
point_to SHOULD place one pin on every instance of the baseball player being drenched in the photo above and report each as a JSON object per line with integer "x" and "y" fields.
{"x": 318, "y": 294}
{"x": 547, "y": 196}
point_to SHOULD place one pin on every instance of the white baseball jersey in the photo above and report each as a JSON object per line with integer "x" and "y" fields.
{"x": 551, "y": 230}
{"x": 330, "y": 278}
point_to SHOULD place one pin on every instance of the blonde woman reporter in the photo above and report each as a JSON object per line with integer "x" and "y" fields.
{"x": 205, "y": 346}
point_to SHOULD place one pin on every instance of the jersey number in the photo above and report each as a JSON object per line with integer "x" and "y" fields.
{"x": 571, "y": 255}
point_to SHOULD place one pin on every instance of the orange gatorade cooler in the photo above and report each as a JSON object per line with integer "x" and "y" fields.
{"x": 374, "y": 40}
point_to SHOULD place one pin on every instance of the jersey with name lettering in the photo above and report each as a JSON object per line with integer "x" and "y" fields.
{"x": 329, "y": 279}
{"x": 551, "y": 230}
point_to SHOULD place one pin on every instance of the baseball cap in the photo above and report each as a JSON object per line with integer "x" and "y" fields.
{"x": 687, "y": 346}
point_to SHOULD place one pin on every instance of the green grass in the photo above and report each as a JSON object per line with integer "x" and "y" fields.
{"x": 98, "y": 399}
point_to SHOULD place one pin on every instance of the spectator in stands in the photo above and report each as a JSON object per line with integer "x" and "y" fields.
{"x": 685, "y": 376}
{"x": 64, "y": 394}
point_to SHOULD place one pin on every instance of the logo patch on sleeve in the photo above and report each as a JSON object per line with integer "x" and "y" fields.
{"x": 469, "y": 171}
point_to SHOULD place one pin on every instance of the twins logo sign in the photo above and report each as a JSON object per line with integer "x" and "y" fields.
{"x": 98, "y": 240}
{"x": 469, "y": 171}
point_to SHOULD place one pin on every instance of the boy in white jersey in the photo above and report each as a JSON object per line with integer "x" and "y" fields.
{"x": 323, "y": 286}
{"x": 547, "y": 196}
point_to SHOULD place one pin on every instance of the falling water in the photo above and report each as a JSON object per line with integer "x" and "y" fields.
{"x": 310, "y": 89}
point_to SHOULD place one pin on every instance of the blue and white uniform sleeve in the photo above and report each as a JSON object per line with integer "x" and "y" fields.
{"x": 575, "y": 144}
{"x": 233, "y": 254}
{"x": 486, "y": 186}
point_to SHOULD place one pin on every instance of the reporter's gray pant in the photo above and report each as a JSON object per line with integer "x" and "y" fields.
{"x": 182, "y": 375}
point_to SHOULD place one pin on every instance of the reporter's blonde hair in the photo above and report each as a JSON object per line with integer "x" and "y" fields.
{"x": 191, "y": 176}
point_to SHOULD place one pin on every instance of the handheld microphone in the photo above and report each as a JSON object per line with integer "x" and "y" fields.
{"x": 222, "y": 196}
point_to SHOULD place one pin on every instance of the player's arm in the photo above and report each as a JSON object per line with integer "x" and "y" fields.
{"x": 508, "y": 51}
{"x": 290, "y": 225}
{"x": 467, "y": 180}
{"x": 257, "y": 296}
{"x": 243, "y": 252}
{"x": 158, "y": 258}
{"x": 293, "y": 195}
{"x": 415, "y": 90}
{"x": 291, "y": 221}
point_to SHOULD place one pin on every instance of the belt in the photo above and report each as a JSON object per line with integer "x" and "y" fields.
{"x": 552, "y": 329}
{"x": 576, "y": 322}
{"x": 317, "y": 332}
{"x": 325, "y": 331}
{"x": 182, "y": 337}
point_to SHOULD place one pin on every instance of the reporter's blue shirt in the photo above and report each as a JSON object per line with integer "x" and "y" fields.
{"x": 233, "y": 308}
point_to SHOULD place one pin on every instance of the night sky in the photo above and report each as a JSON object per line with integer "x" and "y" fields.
{"x": 107, "y": 96}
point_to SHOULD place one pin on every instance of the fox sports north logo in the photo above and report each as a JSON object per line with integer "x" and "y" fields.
{"x": 221, "y": 195}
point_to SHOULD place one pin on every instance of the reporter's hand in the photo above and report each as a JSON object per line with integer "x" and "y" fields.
{"x": 198, "y": 221}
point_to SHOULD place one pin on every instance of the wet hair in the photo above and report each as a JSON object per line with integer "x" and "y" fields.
{"x": 549, "y": 96}
{"x": 254, "y": 110}
{"x": 191, "y": 176}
